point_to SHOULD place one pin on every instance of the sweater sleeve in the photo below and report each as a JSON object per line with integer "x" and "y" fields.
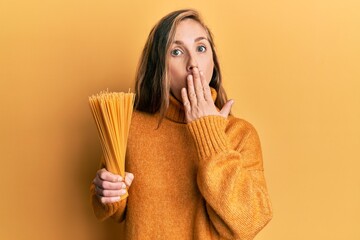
{"x": 230, "y": 176}
{"x": 102, "y": 211}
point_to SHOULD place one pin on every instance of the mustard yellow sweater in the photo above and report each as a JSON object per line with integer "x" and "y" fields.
{"x": 202, "y": 180}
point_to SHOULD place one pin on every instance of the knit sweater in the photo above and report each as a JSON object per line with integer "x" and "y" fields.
{"x": 200, "y": 180}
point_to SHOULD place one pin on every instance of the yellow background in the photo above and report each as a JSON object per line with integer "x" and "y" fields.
{"x": 293, "y": 68}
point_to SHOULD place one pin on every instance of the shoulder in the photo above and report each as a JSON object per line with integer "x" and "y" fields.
{"x": 142, "y": 122}
{"x": 141, "y": 117}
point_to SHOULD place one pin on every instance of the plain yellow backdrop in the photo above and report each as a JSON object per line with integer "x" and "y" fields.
{"x": 293, "y": 68}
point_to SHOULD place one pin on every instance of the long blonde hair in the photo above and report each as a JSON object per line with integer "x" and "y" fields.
{"x": 152, "y": 82}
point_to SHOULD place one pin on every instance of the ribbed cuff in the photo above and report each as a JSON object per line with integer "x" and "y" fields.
{"x": 209, "y": 135}
{"x": 102, "y": 211}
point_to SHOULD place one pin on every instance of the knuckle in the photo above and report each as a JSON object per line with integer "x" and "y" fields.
{"x": 105, "y": 185}
{"x": 100, "y": 193}
{"x": 102, "y": 174}
{"x": 98, "y": 190}
{"x": 94, "y": 181}
{"x": 103, "y": 200}
{"x": 105, "y": 193}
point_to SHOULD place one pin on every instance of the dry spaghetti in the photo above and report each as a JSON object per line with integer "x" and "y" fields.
{"x": 112, "y": 112}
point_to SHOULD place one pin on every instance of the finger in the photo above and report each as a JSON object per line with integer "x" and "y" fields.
{"x": 109, "y": 193}
{"x": 105, "y": 200}
{"x": 108, "y": 176}
{"x": 191, "y": 91}
{"x": 206, "y": 88}
{"x": 129, "y": 177}
{"x": 197, "y": 84}
{"x": 226, "y": 108}
{"x": 185, "y": 100}
{"x": 108, "y": 185}
{"x": 186, "y": 103}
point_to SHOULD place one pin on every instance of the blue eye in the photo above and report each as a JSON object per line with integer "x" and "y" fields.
{"x": 176, "y": 52}
{"x": 201, "y": 49}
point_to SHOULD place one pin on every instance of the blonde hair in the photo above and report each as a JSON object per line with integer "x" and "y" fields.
{"x": 152, "y": 81}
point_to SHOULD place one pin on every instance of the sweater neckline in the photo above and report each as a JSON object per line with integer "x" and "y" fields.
{"x": 175, "y": 111}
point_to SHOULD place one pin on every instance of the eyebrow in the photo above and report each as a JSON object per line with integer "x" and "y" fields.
{"x": 196, "y": 40}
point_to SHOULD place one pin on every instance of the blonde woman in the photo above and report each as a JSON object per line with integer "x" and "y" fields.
{"x": 194, "y": 170}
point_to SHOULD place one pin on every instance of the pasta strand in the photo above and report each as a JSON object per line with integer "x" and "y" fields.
{"x": 112, "y": 113}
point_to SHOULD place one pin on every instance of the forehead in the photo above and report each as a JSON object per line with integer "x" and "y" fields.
{"x": 189, "y": 28}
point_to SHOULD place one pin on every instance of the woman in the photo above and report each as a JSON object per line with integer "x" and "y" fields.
{"x": 198, "y": 170}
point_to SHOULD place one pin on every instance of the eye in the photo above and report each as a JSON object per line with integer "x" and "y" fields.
{"x": 176, "y": 52}
{"x": 201, "y": 48}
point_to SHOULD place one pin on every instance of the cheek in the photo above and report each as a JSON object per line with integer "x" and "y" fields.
{"x": 177, "y": 74}
{"x": 209, "y": 71}
{"x": 177, "y": 79}
{"x": 174, "y": 74}
{"x": 175, "y": 70}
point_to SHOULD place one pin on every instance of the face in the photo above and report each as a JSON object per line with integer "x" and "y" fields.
{"x": 190, "y": 48}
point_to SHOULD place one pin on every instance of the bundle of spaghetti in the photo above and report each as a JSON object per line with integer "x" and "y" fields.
{"x": 112, "y": 112}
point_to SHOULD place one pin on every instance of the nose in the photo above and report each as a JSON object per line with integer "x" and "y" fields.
{"x": 192, "y": 63}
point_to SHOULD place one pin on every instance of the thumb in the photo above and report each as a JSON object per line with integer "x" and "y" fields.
{"x": 226, "y": 108}
{"x": 129, "y": 177}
